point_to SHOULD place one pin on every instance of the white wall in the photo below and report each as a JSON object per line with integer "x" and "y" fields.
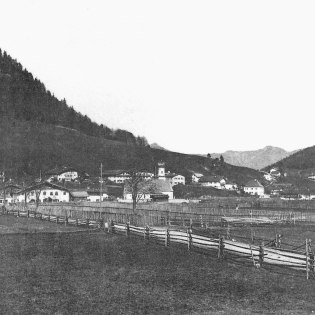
{"x": 67, "y": 176}
{"x": 255, "y": 190}
{"x": 54, "y": 194}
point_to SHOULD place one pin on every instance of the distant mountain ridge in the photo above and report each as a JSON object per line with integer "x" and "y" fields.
{"x": 256, "y": 159}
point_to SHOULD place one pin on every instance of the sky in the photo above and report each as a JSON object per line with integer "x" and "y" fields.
{"x": 193, "y": 76}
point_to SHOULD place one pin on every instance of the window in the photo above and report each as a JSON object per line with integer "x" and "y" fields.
{"x": 44, "y": 193}
{"x": 51, "y": 193}
{"x": 56, "y": 193}
{"x": 64, "y": 193}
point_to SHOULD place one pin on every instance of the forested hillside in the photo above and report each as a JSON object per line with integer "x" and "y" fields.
{"x": 40, "y": 132}
{"x": 24, "y": 97}
{"x": 297, "y": 168}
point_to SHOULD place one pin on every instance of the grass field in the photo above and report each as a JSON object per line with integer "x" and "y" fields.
{"x": 11, "y": 224}
{"x": 111, "y": 274}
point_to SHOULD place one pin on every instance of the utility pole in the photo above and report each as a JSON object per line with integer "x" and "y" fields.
{"x": 101, "y": 184}
{"x": 3, "y": 182}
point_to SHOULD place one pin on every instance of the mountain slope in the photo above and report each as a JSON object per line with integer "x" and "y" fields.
{"x": 39, "y": 132}
{"x": 26, "y": 98}
{"x": 297, "y": 168}
{"x": 256, "y": 159}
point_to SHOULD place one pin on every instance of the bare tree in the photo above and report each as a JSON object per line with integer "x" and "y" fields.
{"x": 138, "y": 186}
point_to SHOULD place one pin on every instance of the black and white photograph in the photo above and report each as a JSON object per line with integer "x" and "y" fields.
{"x": 157, "y": 157}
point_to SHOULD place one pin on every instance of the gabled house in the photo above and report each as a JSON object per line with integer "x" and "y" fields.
{"x": 229, "y": 185}
{"x": 10, "y": 190}
{"x": 116, "y": 176}
{"x": 254, "y": 187}
{"x": 43, "y": 192}
{"x": 215, "y": 181}
{"x": 61, "y": 174}
{"x": 175, "y": 179}
{"x": 274, "y": 172}
{"x": 79, "y": 195}
{"x": 195, "y": 177}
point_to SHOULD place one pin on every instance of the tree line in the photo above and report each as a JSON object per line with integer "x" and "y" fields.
{"x": 24, "y": 97}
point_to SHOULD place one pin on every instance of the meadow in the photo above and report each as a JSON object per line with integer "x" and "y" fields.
{"x": 101, "y": 273}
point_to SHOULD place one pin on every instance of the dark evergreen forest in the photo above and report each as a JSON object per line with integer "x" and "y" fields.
{"x": 24, "y": 97}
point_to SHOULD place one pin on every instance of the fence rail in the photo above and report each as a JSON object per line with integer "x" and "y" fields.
{"x": 258, "y": 255}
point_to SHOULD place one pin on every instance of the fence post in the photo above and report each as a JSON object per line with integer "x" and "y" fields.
{"x": 189, "y": 239}
{"x": 167, "y": 237}
{"x": 112, "y": 227}
{"x": 57, "y": 219}
{"x": 261, "y": 254}
{"x": 201, "y": 221}
{"x": 252, "y": 235}
{"x": 147, "y": 233}
{"x": 87, "y": 224}
{"x": 127, "y": 229}
{"x": 311, "y": 258}
{"x": 307, "y": 258}
{"x": 228, "y": 232}
{"x": 221, "y": 247}
{"x": 278, "y": 240}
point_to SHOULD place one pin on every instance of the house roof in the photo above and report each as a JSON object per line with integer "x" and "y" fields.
{"x": 79, "y": 194}
{"x": 61, "y": 170}
{"x": 152, "y": 186}
{"x": 108, "y": 173}
{"x": 42, "y": 185}
{"x": 211, "y": 179}
{"x": 253, "y": 183}
{"x": 198, "y": 174}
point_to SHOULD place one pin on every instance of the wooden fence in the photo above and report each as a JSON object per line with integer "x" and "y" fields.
{"x": 224, "y": 248}
{"x": 162, "y": 215}
{"x": 259, "y": 256}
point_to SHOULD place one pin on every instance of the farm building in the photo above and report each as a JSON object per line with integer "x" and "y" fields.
{"x": 254, "y": 187}
{"x": 44, "y": 192}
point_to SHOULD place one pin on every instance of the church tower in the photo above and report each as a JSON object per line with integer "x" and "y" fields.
{"x": 161, "y": 170}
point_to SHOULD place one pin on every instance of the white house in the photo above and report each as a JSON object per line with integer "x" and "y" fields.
{"x": 213, "y": 181}
{"x": 44, "y": 192}
{"x": 62, "y": 174}
{"x": 230, "y": 185}
{"x": 116, "y": 176}
{"x": 196, "y": 177}
{"x": 254, "y": 187}
{"x": 178, "y": 179}
{"x": 274, "y": 172}
{"x": 175, "y": 179}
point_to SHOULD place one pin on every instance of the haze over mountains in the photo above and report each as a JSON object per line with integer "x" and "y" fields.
{"x": 256, "y": 159}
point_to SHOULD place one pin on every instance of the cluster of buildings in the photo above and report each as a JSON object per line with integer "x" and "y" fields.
{"x": 68, "y": 184}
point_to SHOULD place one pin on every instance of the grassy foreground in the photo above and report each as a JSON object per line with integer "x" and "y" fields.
{"x": 110, "y": 274}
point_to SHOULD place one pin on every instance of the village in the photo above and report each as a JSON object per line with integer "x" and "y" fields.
{"x": 68, "y": 184}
